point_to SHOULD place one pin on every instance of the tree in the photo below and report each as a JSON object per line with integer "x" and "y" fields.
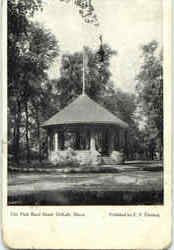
{"x": 43, "y": 104}
{"x": 86, "y": 10}
{"x": 150, "y": 93}
{"x": 123, "y": 105}
{"x": 31, "y": 50}
{"x": 18, "y": 13}
{"x": 97, "y": 75}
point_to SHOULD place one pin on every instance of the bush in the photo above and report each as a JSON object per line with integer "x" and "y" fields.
{"x": 65, "y": 158}
{"x": 72, "y": 158}
{"x": 118, "y": 157}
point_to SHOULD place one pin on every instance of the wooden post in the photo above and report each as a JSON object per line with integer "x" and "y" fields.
{"x": 56, "y": 141}
{"x": 111, "y": 141}
{"x": 121, "y": 138}
{"x": 48, "y": 146}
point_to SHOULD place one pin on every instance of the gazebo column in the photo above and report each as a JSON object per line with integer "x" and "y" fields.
{"x": 56, "y": 141}
{"x": 121, "y": 138}
{"x": 111, "y": 141}
{"x": 92, "y": 140}
{"x": 48, "y": 138}
{"x": 48, "y": 141}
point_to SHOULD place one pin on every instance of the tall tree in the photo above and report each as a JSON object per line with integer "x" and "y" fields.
{"x": 150, "y": 92}
{"x": 123, "y": 105}
{"x": 18, "y": 13}
{"x": 43, "y": 104}
{"x": 97, "y": 75}
{"x": 31, "y": 49}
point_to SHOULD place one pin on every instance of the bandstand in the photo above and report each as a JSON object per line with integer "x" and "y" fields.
{"x": 85, "y": 126}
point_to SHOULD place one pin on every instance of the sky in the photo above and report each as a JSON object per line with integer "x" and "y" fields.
{"x": 124, "y": 24}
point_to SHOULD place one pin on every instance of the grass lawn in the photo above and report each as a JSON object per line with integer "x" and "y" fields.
{"x": 128, "y": 184}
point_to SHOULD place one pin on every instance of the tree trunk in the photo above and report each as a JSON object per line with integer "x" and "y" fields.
{"x": 38, "y": 134}
{"x": 126, "y": 145}
{"x": 17, "y": 132}
{"x": 26, "y": 132}
{"x": 161, "y": 146}
{"x": 14, "y": 137}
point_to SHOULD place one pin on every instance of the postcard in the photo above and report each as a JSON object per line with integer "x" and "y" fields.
{"x": 86, "y": 124}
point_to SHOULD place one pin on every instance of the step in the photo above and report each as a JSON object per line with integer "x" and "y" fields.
{"x": 108, "y": 161}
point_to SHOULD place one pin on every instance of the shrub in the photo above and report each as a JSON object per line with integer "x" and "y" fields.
{"x": 71, "y": 158}
{"x": 65, "y": 158}
{"x": 118, "y": 157}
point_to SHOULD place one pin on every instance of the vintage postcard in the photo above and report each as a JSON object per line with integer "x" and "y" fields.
{"x": 86, "y": 124}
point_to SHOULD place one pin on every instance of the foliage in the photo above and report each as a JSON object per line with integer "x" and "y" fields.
{"x": 122, "y": 104}
{"x": 86, "y": 10}
{"x": 150, "y": 94}
{"x": 31, "y": 50}
{"x": 97, "y": 75}
{"x": 18, "y": 23}
{"x": 34, "y": 58}
{"x": 118, "y": 157}
{"x": 71, "y": 158}
{"x": 65, "y": 158}
{"x": 18, "y": 13}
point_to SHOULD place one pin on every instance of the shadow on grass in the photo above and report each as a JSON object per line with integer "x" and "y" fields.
{"x": 66, "y": 170}
{"x": 86, "y": 197}
{"x": 91, "y": 169}
{"x": 152, "y": 169}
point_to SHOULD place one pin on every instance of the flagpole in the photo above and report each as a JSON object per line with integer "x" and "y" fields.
{"x": 83, "y": 88}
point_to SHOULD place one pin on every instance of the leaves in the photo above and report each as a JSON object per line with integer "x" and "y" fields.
{"x": 97, "y": 76}
{"x": 31, "y": 50}
{"x": 150, "y": 90}
{"x": 86, "y": 10}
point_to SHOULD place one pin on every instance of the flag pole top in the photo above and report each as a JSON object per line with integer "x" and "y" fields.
{"x": 83, "y": 89}
{"x": 101, "y": 39}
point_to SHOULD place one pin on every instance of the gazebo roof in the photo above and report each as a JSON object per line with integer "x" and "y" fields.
{"x": 83, "y": 110}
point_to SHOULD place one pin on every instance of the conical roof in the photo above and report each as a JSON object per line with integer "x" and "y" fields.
{"x": 84, "y": 111}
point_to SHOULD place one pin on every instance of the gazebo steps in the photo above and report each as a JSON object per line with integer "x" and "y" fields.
{"x": 106, "y": 160}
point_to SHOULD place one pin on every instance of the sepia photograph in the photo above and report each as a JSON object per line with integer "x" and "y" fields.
{"x": 85, "y": 103}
